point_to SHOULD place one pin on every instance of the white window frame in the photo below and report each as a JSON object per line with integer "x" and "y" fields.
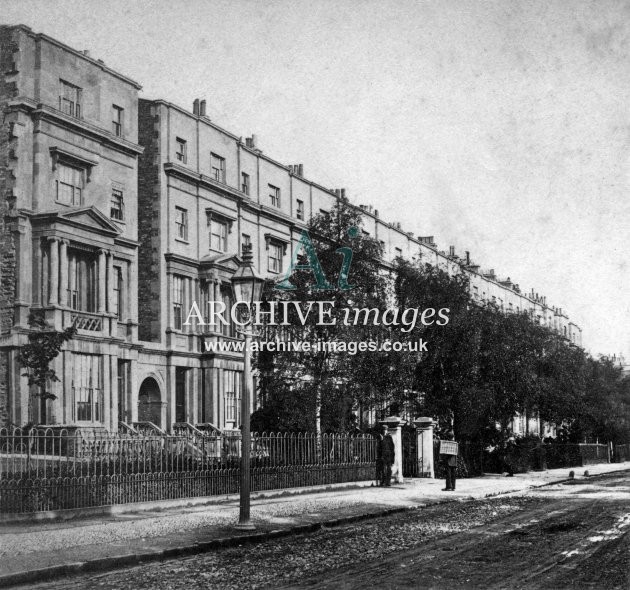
{"x": 274, "y": 263}
{"x": 70, "y": 99}
{"x": 274, "y": 196}
{"x": 218, "y": 240}
{"x": 217, "y": 166}
{"x": 181, "y": 223}
{"x": 76, "y": 185}
{"x": 87, "y": 388}
{"x": 233, "y": 391}
{"x": 119, "y": 301}
{"x": 117, "y": 120}
{"x": 245, "y": 183}
{"x": 178, "y": 302}
{"x": 182, "y": 149}
{"x": 117, "y": 205}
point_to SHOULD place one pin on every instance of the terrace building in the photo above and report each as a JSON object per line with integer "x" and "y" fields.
{"x": 119, "y": 212}
{"x": 68, "y": 179}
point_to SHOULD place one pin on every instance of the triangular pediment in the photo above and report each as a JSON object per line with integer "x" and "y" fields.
{"x": 229, "y": 262}
{"x": 90, "y": 217}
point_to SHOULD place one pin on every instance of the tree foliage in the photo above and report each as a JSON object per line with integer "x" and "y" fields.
{"x": 478, "y": 370}
{"x": 314, "y": 389}
{"x": 44, "y": 344}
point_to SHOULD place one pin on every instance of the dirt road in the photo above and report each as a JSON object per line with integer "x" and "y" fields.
{"x": 572, "y": 535}
{"x": 577, "y": 538}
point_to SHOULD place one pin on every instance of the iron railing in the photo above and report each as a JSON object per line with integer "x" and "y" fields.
{"x": 53, "y": 469}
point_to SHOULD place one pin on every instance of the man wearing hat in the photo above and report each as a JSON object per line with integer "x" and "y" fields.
{"x": 450, "y": 463}
{"x": 385, "y": 457}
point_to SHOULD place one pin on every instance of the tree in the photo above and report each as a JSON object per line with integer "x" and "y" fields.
{"x": 44, "y": 344}
{"x": 315, "y": 383}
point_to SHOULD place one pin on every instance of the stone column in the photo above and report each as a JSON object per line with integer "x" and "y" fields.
{"x": 395, "y": 424}
{"x": 114, "y": 393}
{"x": 111, "y": 281}
{"x": 24, "y": 271}
{"x": 196, "y": 297}
{"x": 424, "y": 430}
{"x": 53, "y": 293}
{"x": 132, "y": 292}
{"x": 216, "y": 293}
{"x": 170, "y": 320}
{"x": 72, "y": 282}
{"x": 193, "y": 397}
{"x": 186, "y": 305}
{"x": 106, "y": 394}
{"x": 68, "y": 400}
{"x": 134, "y": 387}
{"x": 171, "y": 409}
{"x": 101, "y": 281}
{"x": 63, "y": 273}
{"x": 217, "y": 391}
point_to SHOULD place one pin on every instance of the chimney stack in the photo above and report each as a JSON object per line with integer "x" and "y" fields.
{"x": 196, "y": 106}
{"x": 202, "y": 108}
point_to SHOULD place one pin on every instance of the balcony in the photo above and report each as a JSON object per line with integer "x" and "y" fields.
{"x": 84, "y": 320}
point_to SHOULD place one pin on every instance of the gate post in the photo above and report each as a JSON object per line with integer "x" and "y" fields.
{"x": 424, "y": 429}
{"x": 394, "y": 424}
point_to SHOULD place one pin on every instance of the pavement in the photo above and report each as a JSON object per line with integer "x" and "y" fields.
{"x": 43, "y": 550}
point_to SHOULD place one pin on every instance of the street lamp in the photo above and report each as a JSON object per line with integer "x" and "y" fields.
{"x": 247, "y": 285}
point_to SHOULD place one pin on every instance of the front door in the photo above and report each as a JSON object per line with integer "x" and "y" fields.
{"x": 150, "y": 402}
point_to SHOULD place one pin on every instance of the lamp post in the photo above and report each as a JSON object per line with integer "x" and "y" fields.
{"x": 247, "y": 285}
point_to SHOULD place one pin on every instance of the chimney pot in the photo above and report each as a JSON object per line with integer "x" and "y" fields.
{"x": 301, "y": 169}
{"x": 196, "y": 106}
{"x": 202, "y": 108}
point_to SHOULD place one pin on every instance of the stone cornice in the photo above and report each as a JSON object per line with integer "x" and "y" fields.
{"x": 44, "y": 112}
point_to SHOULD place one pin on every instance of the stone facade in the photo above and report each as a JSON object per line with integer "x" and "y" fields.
{"x": 69, "y": 146}
{"x": 118, "y": 213}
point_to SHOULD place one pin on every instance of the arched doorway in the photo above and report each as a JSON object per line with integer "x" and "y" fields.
{"x": 150, "y": 402}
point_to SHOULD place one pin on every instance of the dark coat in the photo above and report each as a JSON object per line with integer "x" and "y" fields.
{"x": 451, "y": 460}
{"x": 386, "y": 449}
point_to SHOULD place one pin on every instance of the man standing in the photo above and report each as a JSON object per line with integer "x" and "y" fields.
{"x": 385, "y": 457}
{"x": 450, "y": 464}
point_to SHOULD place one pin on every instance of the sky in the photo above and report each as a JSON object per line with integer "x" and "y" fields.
{"x": 502, "y": 128}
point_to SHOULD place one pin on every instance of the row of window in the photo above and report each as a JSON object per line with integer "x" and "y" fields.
{"x": 232, "y": 388}
{"x": 88, "y": 393}
{"x": 218, "y": 238}
{"x": 71, "y": 100}
{"x": 217, "y": 168}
